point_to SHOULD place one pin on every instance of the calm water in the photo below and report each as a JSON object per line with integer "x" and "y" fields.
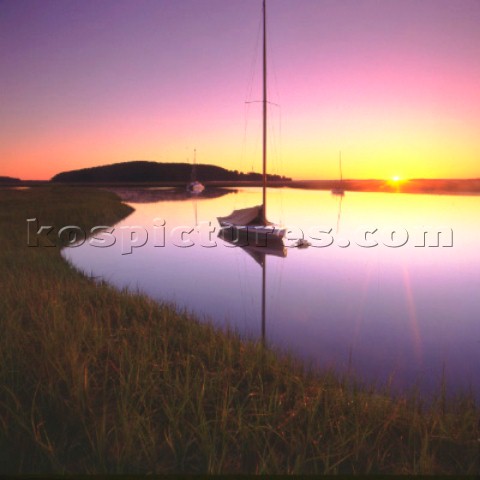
{"x": 410, "y": 311}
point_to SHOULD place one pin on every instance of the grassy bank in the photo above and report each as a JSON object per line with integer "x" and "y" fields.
{"x": 93, "y": 380}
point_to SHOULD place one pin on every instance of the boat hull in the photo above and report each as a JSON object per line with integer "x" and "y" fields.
{"x": 195, "y": 187}
{"x": 252, "y": 235}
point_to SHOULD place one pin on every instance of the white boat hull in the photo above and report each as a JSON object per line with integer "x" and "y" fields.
{"x": 195, "y": 187}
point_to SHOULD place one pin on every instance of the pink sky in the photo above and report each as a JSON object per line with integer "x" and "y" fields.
{"x": 393, "y": 84}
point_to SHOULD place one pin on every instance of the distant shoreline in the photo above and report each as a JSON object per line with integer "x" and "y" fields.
{"x": 415, "y": 186}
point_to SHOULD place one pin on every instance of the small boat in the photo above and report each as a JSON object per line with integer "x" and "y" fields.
{"x": 339, "y": 190}
{"x": 195, "y": 187}
{"x": 251, "y": 223}
{"x": 302, "y": 243}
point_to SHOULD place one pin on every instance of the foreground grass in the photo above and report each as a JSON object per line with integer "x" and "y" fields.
{"x": 93, "y": 380}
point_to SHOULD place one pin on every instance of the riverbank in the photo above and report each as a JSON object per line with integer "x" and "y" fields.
{"x": 99, "y": 381}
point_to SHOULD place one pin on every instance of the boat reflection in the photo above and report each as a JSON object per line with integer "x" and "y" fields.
{"x": 259, "y": 254}
{"x": 339, "y": 212}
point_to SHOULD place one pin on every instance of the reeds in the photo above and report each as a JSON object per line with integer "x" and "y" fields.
{"x": 93, "y": 380}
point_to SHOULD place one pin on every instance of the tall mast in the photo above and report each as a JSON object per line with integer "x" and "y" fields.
{"x": 194, "y": 166}
{"x": 264, "y": 213}
{"x": 264, "y": 305}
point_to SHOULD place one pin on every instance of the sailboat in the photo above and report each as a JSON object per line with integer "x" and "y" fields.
{"x": 195, "y": 187}
{"x": 252, "y": 223}
{"x": 339, "y": 190}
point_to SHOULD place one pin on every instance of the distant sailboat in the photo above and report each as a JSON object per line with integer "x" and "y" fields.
{"x": 252, "y": 222}
{"x": 195, "y": 187}
{"x": 339, "y": 190}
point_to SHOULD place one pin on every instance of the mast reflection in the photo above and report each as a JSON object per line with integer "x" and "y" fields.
{"x": 259, "y": 255}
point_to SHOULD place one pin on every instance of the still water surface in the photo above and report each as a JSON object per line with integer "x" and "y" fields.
{"x": 406, "y": 313}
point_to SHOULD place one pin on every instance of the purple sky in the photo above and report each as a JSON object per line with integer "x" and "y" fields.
{"x": 393, "y": 84}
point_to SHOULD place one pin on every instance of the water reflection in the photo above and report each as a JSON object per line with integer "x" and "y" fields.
{"x": 340, "y": 200}
{"x": 158, "y": 194}
{"x": 410, "y": 311}
{"x": 259, "y": 255}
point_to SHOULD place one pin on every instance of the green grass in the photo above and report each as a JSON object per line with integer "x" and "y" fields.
{"x": 93, "y": 380}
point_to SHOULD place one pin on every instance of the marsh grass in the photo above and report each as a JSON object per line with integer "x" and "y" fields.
{"x": 93, "y": 380}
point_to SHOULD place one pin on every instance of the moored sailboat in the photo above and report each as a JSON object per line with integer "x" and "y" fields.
{"x": 339, "y": 190}
{"x": 195, "y": 187}
{"x": 252, "y": 223}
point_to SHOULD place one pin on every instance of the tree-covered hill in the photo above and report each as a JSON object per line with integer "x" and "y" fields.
{"x": 143, "y": 171}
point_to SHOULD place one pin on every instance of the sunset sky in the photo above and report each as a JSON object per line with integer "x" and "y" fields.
{"x": 392, "y": 84}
